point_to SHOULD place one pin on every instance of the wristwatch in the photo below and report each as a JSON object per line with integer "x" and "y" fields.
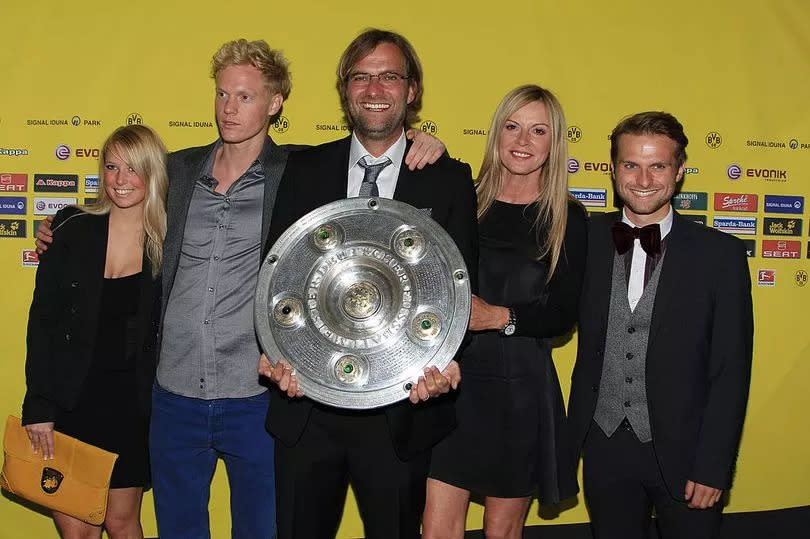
{"x": 509, "y": 328}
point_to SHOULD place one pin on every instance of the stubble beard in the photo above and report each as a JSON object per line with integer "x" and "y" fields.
{"x": 380, "y": 132}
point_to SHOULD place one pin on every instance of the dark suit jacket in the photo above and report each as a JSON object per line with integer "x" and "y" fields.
{"x": 698, "y": 364}
{"x": 63, "y": 320}
{"x": 318, "y": 176}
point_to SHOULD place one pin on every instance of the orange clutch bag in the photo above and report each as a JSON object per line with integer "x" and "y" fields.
{"x": 74, "y": 482}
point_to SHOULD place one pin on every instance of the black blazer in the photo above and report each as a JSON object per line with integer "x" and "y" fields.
{"x": 318, "y": 176}
{"x": 698, "y": 363}
{"x": 63, "y": 320}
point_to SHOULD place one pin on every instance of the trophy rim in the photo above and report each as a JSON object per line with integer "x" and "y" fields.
{"x": 299, "y": 231}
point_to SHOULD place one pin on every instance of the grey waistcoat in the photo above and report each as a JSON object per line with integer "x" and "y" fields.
{"x": 622, "y": 390}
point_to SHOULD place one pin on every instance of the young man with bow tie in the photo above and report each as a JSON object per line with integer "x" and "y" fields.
{"x": 663, "y": 365}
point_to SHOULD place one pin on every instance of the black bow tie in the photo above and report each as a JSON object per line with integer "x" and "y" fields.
{"x": 650, "y": 237}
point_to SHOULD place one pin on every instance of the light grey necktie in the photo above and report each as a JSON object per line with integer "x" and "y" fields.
{"x": 369, "y": 186}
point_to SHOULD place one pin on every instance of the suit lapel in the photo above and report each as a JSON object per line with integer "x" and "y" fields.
{"x": 274, "y": 161}
{"x": 95, "y": 251}
{"x": 404, "y": 190}
{"x": 601, "y": 263}
{"x": 335, "y": 172}
{"x": 672, "y": 271}
{"x": 194, "y": 170}
{"x": 181, "y": 189}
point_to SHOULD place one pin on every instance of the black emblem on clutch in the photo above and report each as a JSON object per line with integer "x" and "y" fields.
{"x": 51, "y": 479}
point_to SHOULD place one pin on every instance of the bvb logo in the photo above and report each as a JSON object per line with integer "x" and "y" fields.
{"x": 713, "y": 140}
{"x": 281, "y": 124}
{"x": 574, "y": 134}
{"x": 793, "y": 144}
{"x": 429, "y": 127}
{"x": 134, "y": 119}
{"x": 800, "y": 278}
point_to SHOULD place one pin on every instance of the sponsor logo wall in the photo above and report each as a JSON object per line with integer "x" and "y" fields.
{"x": 748, "y": 172}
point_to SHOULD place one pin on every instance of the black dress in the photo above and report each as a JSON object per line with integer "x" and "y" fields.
{"x": 510, "y": 440}
{"x": 107, "y": 414}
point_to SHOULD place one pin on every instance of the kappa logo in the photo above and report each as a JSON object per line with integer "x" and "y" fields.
{"x": 56, "y": 183}
{"x": 13, "y": 152}
{"x": 750, "y": 248}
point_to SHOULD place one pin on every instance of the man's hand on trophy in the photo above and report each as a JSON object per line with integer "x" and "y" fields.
{"x": 435, "y": 383}
{"x": 280, "y": 374}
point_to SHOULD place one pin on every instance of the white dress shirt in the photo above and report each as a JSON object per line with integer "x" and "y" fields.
{"x": 387, "y": 180}
{"x": 635, "y": 286}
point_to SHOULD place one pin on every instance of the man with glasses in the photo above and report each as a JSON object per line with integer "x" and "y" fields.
{"x": 384, "y": 452}
{"x": 208, "y": 402}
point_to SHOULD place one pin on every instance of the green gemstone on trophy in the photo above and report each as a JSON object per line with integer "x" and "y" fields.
{"x": 348, "y": 368}
{"x": 324, "y": 234}
{"x": 408, "y": 242}
{"x": 426, "y": 324}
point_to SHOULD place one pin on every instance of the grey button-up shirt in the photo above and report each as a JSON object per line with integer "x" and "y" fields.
{"x": 209, "y": 348}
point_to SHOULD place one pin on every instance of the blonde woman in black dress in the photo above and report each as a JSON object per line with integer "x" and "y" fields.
{"x": 93, "y": 324}
{"x": 509, "y": 443}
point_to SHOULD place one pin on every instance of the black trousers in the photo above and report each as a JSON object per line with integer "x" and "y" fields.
{"x": 623, "y": 483}
{"x": 339, "y": 447}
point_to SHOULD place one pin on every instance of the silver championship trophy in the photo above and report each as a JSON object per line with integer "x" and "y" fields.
{"x": 360, "y": 296}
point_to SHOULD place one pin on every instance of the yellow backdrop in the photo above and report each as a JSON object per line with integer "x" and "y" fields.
{"x": 735, "y": 73}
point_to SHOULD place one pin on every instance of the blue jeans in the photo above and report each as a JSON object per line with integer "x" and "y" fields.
{"x": 187, "y": 436}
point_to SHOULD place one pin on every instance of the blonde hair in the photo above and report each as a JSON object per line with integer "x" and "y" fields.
{"x": 271, "y": 62}
{"x": 141, "y": 148}
{"x": 552, "y": 202}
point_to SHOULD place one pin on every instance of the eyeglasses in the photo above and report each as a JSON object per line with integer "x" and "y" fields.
{"x": 389, "y": 78}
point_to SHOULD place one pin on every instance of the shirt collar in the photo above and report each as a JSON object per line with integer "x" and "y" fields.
{"x": 208, "y": 165}
{"x": 395, "y": 152}
{"x": 665, "y": 224}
